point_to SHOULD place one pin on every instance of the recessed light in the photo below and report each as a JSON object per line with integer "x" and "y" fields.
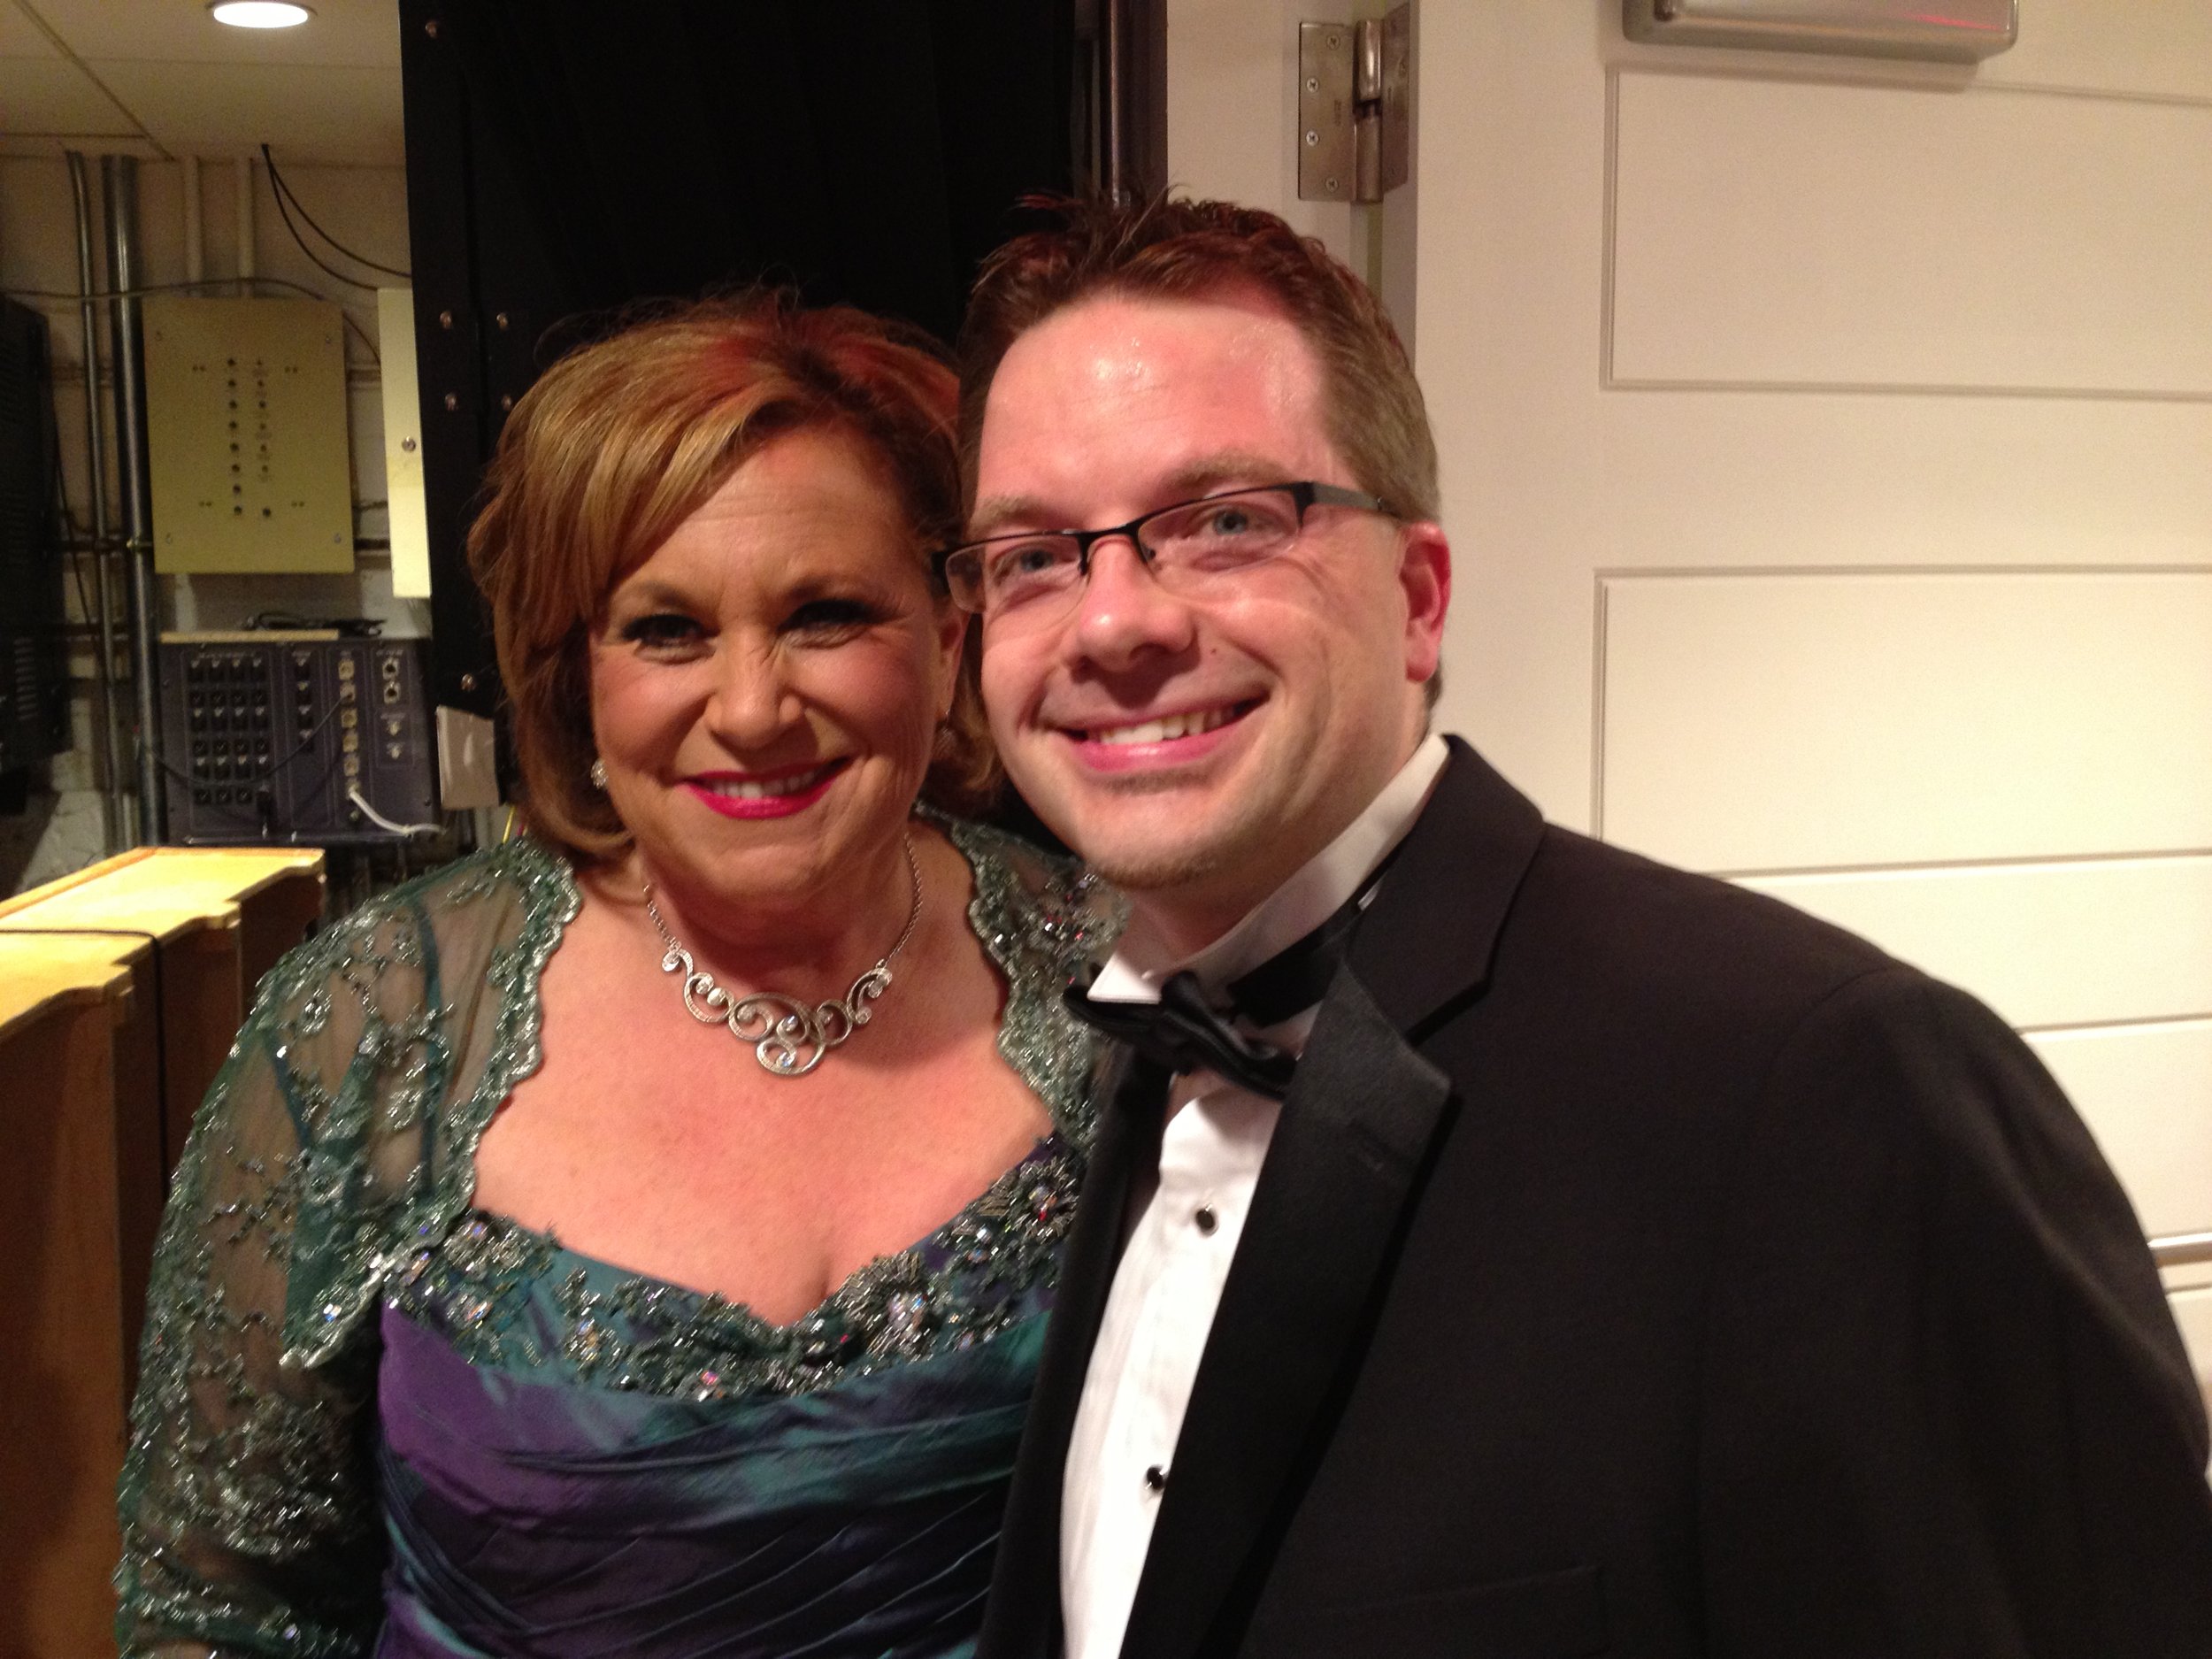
{"x": 259, "y": 15}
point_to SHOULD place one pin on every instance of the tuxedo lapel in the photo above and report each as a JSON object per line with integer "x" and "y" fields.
{"x": 1346, "y": 1163}
{"x": 1354, "y": 1132}
{"x": 1023, "y": 1619}
{"x": 1429, "y": 936}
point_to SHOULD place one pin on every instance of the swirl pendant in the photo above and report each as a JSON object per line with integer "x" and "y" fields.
{"x": 790, "y": 1037}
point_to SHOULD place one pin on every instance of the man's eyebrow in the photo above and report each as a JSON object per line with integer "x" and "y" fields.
{"x": 1200, "y": 476}
{"x": 1209, "y": 473}
{"x": 993, "y": 513}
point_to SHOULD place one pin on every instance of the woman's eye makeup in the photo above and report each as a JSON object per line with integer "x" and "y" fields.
{"x": 830, "y": 615}
{"x": 661, "y": 628}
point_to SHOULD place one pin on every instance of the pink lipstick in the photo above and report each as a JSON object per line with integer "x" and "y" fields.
{"x": 758, "y": 795}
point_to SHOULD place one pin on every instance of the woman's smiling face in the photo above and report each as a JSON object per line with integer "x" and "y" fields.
{"x": 767, "y": 684}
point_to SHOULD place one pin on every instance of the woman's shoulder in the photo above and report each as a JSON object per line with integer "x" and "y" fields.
{"x": 1032, "y": 908}
{"x": 1044, "y": 920}
{"x": 519, "y": 890}
{"x": 519, "y": 878}
{"x": 391, "y": 1037}
{"x": 432, "y": 982}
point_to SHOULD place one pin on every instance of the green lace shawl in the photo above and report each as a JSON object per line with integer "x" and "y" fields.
{"x": 337, "y": 1146}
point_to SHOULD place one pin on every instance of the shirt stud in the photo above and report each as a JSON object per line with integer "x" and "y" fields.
{"x": 1205, "y": 1220}
{"x": 1155, "y": 1479}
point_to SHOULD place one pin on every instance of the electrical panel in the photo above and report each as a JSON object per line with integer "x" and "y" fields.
{"x": 34, "y": 687}
{"x": 246, "y": 435}
{"x": 271, "y": 739}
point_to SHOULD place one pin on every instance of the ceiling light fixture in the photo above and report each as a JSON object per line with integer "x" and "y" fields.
{"x": 259, "y": 15}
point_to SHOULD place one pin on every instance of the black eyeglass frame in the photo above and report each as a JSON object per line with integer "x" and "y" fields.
{"x": 1305, "y": 494}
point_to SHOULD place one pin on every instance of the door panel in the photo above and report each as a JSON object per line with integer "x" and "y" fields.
{"x": 2135, "y": 1085}
{"x": 2128, "y": 932}
{"x": 1918, "y": 573}
{"x": 1807, "y": 719}
{"x": 1776, "y": 232}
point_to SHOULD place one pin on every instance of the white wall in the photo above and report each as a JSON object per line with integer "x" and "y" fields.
{"x": 1233, "y": 106}
{"x": 364, "y": 207}
{"x": 1828, "y": 461}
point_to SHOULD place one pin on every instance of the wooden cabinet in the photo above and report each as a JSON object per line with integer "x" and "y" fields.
{"x": 120, "y": 990}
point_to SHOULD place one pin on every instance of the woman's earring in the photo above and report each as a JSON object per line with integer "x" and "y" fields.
{"x": 598, "y": 775}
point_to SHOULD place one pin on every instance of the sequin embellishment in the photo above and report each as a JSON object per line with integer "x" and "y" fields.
{"x": 331, "y": 1170}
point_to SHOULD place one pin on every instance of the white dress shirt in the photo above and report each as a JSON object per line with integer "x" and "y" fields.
{"x": 1185, "y": 1225}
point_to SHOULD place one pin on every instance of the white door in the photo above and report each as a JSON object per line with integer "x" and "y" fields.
{"x": 1828, "y": 461}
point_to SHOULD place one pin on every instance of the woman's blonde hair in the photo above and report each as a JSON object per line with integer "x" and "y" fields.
{"x": 621, "y": 440}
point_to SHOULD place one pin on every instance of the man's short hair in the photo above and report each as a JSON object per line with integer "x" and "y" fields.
{"x": 1166, "y": 248}
{"x": 1176, "y": 249}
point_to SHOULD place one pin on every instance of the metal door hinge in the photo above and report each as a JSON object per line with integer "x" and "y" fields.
{"x": 1355, "y": 107}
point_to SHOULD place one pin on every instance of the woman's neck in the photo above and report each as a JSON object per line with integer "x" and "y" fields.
{"x": 810, "y": 944}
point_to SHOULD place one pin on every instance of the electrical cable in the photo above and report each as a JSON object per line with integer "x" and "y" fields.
{"x": 354, "y": 795}
{"x": 267, "y": 773}
{"x": 75, "y": 551}
{"x": 281, "y": 189}
{"x": 291, "y": 621}
{"x": 285, "y": 213}
{"x": 204, "y": 282}
{"x": 375, "y": 356}
{"x": 76, "y": 576}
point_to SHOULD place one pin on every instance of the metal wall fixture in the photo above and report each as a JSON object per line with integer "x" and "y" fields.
{"x": 118, "y": 188}
{"x": 1121, "y": 97}
{"x": 1354, "y": 108}
{"x": 108, "y": 748}
{"x": 1114, "y": 106}
{"x": 1958, "y": 32}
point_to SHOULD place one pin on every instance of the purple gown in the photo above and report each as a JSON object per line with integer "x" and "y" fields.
{"x": 370, "y": 1419}
{"x": 575, "y": 1461}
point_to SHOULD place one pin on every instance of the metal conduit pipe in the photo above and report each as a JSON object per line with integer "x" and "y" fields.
{"x": 118, "y": 188}
{"x": 112, "y": 830}
{"x": 195, "y": 232}
{"x": 242, "y": 179}
{"x": 1115, "y": 113}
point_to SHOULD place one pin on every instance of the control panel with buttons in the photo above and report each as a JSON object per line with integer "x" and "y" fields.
{"x": 282, "y": 737}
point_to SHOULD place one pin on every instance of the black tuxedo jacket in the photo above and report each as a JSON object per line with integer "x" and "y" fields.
{"x": 1642, "y": 1267}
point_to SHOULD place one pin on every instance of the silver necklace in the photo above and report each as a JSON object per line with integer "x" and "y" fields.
{"x": 789, "y": 1037}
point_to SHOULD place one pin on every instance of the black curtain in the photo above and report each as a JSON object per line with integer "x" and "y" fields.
{"x": 565, "y": 159}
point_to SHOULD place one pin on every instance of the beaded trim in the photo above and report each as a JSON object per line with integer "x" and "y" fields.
{"x": 506, "y": 1295}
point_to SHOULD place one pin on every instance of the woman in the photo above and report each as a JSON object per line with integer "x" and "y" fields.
{"x": 541, "y": 1276}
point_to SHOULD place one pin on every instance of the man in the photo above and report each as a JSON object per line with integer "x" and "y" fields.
{"x": 1584, "y": 1257}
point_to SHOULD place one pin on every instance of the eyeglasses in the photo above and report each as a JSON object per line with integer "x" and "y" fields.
{"x": 1192, "y": 548}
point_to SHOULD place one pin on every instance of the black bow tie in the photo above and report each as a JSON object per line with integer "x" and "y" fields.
{"x": 1185, "y": 1032}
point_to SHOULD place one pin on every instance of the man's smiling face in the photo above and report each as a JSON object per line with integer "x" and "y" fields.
{"x": 1197, "y": 753}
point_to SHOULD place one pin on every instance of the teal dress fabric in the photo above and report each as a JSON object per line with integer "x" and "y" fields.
{"x": 372, "y": 1419}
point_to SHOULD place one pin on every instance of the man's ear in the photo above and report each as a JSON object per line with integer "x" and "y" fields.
{"x": 1424, "y": 576}
{"x": 952, "y": 644}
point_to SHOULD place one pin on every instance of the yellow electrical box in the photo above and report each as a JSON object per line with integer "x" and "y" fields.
{"x": 246, "y": 435}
